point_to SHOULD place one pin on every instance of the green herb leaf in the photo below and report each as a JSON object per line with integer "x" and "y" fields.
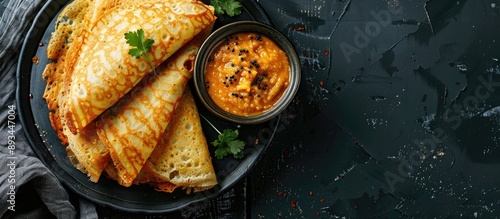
{"x": 236, "y": 146}
{"x": 142, "y": 46}
{"x": 230, "y": 7}
{"x": 135, "y": 52}
{"x": 220, "y": 153}
{"x": 217, "y": 7}
{"x": 227, "y": 142}
{"x": 148, "y": 43}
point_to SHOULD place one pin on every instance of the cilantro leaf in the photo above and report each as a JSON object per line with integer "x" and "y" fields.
{"x": 148, "y": 43}
{"x": 227, "y": 143}
{"x": 135, "y": 52}
{"x": 230, "y": 7}
{"x": 217, "y": 7}
{"x": 142, "y": 46}
{"x": 220, "y": 153}
{"x": 236, "y": 146}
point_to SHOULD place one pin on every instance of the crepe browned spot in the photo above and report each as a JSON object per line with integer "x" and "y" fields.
{"x": 104, "y": 71}
{"x": 164, "y": 187}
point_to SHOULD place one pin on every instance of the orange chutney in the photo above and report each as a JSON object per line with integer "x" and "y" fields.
{"x": 247, "y": 74}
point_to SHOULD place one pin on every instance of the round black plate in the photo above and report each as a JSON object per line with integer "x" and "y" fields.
{"x": 33, "y": 114}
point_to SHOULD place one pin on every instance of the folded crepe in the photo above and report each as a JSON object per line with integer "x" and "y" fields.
{"x": 87, "y": 153}
{"x": 181, "y": 157}
{"x": 112, "y": 173}
{"x": 85, "y": 150}
{"x": 132, "y": 127}
{"x": 73, "y": 26}
{"x": 74, "y": 22}
{"x": 104, "y": 71}
{"x": 70, "y": 24}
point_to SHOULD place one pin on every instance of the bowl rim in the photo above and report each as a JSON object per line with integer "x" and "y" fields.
{"x": 215, "y": 38}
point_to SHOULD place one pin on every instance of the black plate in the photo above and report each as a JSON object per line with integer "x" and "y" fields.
{"x": 33, "y": 114}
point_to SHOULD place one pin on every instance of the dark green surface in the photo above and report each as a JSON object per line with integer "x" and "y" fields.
{"x": 353, "y": 148}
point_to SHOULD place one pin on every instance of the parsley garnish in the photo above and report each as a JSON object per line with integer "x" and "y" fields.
{"x": 227, "y": 143}
{"x": 230, "y": 7}
{"x": 142, "y": 46}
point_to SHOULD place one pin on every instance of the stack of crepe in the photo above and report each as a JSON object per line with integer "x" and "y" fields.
{"x": 114, "y": 115}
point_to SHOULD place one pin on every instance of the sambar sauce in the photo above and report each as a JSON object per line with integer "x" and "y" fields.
{"x": 247, "y": 74}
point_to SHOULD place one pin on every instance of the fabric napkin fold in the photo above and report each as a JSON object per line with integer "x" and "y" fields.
{"x": 18, "y": 164}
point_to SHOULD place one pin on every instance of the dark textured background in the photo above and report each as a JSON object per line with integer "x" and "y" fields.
{"x": 426, "y": 75}
{"x": 407, "y": 125}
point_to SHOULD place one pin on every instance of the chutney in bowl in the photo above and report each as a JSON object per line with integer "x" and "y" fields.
{"x": 246, "y": 72}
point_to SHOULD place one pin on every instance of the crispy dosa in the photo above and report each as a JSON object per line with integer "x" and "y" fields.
{"x": 105, "y": 72}
{"x": 132, "y": 127}
{"x": 85, "y": 149}
{"x": 87, "y": 153}
{"x": 64, "y": 46}
{"x": 70, "y": 24}
{"x": 181, "y": 158}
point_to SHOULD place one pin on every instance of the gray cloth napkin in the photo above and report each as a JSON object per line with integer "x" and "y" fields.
{"x": 22, "y": 167}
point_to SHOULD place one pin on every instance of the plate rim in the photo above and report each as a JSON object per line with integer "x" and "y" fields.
{"x": 26, "y": 118}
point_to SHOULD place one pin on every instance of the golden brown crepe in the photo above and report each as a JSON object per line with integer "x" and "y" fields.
{"x": 181, "y": 158}
{"x": 68, "y": 47}
{"x": 70, "y": 24}
{"x": 112, "y": 173}
{"x": 64, "y": 46}
{"x": 88, "y": 153}
{"x": 104, "y": 71}
{"x": 131, "y": 128}
{"x": 85, "y": 150}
